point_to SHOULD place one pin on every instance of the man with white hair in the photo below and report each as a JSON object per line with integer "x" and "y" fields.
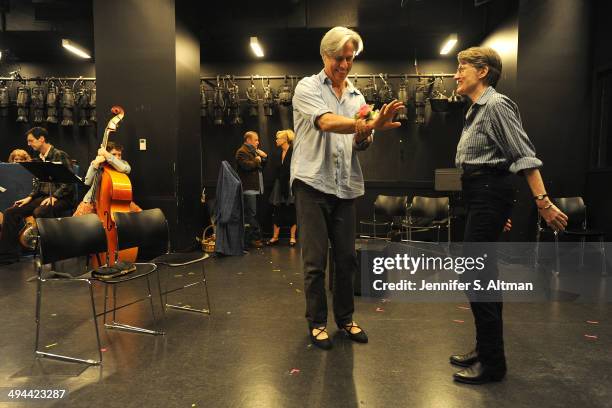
{"x": 326, "y": 178}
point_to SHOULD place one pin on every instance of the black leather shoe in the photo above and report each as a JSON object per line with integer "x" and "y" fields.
{"x": 464, "y": 360}
{"x": 360, "y": 337}
{"x": 325, "y": 344}
{"x": 479, "y": 374}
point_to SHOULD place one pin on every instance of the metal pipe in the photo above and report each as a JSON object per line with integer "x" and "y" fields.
{"x": 249, "y": 77}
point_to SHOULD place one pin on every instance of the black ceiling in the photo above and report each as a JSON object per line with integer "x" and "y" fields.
{"x": 288, "y": 29}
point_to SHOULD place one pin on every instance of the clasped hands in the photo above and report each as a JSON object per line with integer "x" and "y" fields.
{"x": 383, "y": 121}
{"x": 102, "y": 156}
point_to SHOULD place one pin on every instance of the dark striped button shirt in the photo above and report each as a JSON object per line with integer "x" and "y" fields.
{"x": 493, "y": 136}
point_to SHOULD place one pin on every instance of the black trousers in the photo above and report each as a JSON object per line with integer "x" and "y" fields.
{"x": 322, "y": 217}
{"x": 13, "y": 220}
{"x": 489, "y": 199}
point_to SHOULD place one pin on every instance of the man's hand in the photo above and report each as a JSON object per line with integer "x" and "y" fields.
{"x": 362, "y": 131}
{"x": 22, "y": 202}
{"x": 554, "y": 217}
{"x": 384, "y": 119}
{"x": 98, "y": 161}
{"x": 261, "y": 153}
{"x": 102, "y": 152}
{"x": 258, "y": 159}
{"x": 49, "y": 201}
{"x": 508, "y": 225}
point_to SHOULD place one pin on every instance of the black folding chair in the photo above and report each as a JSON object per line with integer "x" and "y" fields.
{"x": 428, "y": 213}
{"x": 64, "y": 238}
{"x": 389, "y": 208}
{"x": 149, "y": 229}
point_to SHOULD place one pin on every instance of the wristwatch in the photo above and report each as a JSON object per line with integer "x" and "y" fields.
{"x": 540, "y": 196}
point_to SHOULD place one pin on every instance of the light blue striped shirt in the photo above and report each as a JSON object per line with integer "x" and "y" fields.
{"x": 326, "y": 161}
{"x": 493, "y": 136}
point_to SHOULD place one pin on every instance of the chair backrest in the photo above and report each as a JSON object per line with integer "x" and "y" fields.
{"x": 70, "y": 237}
{"x": 147, "y": 229}
{"x": 434, "y": 208}
{"x": 390, "y": 206}
{"x": 575, "y": 210}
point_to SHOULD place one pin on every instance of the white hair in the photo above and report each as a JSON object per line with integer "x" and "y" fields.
{"x": 333, "y": 41}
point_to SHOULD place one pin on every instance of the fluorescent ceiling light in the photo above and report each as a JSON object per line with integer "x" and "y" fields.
{"x": 256, "y": 47}
{"x": 449, "y": 44}
{"x": 75, "y": 48}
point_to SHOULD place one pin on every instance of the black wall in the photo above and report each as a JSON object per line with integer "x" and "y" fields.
{"x": 554, "y": 96}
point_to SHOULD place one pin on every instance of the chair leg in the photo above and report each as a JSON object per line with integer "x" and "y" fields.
{"x": 557, "y": 262}
{"x": 582, "y": 245}
{"x": 134, "y": 329}
{"x": 602, "y": 249}
{"x": 38, "y": 303}
{"x": 95, "y": 320}
{"x": 61, "y": 357}
{"x": 187, "y": 307}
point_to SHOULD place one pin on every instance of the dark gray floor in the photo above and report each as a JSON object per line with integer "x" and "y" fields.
{"x": 253, "y": 351}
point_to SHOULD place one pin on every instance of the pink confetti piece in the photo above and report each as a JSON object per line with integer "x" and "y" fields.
{"x": 459, "y": 321}
{"x": 591, "y": 336}
{"x": 294, "y": 371}
{"x": 592, "y": 322}
{"x": 380, "y": 309}
{"x": 463, "y": 308}
{"x": 103, "y": 349}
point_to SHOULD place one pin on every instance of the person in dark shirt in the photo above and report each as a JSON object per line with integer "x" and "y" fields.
{"x": 46, "y": 199}
{"x": 281, "y": 196}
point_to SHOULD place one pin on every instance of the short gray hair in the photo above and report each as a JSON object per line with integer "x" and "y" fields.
{"x": 333, "y": 41}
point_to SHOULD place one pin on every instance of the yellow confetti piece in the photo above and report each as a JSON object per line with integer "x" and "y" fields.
{"x": 193, "y": 405}
{"x": 51, "y": 345}
{"x": 53, "y": 314}
{"x": 178, "y": 276}
{"x": 191, "y": 273}
{"x": 298, "y": 291}
{"x": 276, "y": 270}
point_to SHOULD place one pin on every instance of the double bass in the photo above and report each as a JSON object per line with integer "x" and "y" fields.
{"x": 113, "y": 193}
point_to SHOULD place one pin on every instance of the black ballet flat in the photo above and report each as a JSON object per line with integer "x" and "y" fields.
{"x": 325, "y": 344}
{"x": 360, "y": 337}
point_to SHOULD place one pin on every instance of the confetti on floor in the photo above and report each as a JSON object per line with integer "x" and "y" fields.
{"x": 53, "y": 314}
{"x": 298, "y": 291}
{"x": 229, "y": 312}
{"x": 191, "y": 273}
{"x": 463, "y": 308}
{"x": 180, "y": 275}
{"x": 294, "y": 371}
{"x": 380, "y": 309}
{"x": 276, "y": 270}
{"x": 103, "y": 349}
{"x": 51, "y": 345}
{"x": 384, "y": 300}
{"x": 592, "y": 322}
{"x": 459, "y": 321}
{"x": 591, "y": 336}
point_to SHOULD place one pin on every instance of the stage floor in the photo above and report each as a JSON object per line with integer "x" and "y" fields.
{"x": 253, "y": 351}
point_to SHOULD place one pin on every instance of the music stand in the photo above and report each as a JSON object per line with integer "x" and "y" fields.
{"x": 51, "y": 172}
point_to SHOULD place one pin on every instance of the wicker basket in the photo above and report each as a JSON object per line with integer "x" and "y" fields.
{"x": 208, "y": 244}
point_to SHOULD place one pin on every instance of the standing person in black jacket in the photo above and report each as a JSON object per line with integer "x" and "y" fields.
{"x": 250, "y": 162}
{"x": 46, "y": 199}
{"x": 281, "y": 196}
